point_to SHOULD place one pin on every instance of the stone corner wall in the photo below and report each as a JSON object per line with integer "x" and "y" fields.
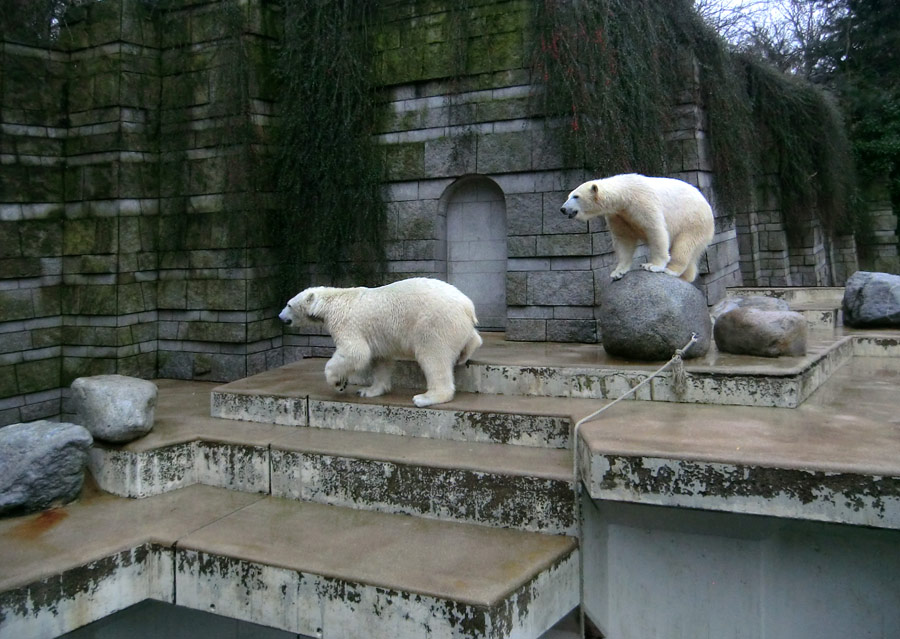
{"x": 129, "y": 235}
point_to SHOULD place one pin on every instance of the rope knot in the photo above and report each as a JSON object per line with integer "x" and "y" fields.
{"x": 679, "y": 376}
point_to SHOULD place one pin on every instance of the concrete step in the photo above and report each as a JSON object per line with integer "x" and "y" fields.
{"x": 821, "y": 319}
{"x": 305, "y": 568}
{"x": 350, "y": 573}
{"x": 504, "y": 396}
{"x": 716, "y": 378}
{"x": 821, "y": 296}
{"x": 296, "y": 394}
{"x": 491, "y": 484}
{"x": 836, "y": 458}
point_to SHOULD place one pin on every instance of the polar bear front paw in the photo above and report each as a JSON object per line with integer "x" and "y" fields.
{"x": 653, "y": 268}
{"x": 618, "y": 274}
{"x": 372, "y": 391}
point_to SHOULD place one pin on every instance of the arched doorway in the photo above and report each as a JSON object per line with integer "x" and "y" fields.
{"x": 476, "y": 246}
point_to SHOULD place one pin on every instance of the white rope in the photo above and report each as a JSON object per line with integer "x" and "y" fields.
{"x": 676, "y": 359}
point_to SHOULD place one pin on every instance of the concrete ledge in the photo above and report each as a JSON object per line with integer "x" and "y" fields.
{"x": 836, "y": 458}
{"x": 847, "y": 498}
{"x": 823, "y": 296}
{"x": 319, "y": 570}
{"x": 450, "y": 494}
{"x": 376, "y": 575}
{"x": 63, "y": 602}
{"x": 543, "y": 431}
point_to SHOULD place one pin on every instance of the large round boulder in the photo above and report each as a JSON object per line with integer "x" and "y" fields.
{"x": 648, "y": 316}
{"x": 872, "y": 300}
{"x": 42, "y": 465}
{"x": 115, "y": 408}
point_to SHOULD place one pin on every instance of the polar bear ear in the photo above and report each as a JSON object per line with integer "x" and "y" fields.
{"x": 595, "y": 192}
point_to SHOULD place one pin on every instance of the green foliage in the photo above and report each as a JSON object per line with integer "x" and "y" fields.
{"x": 329, "y": 168}
{"x": 862, "y": 54}
{"x": 732, "y": 134}
{"x": 607, "y": 67}
{"x": 805, "y": 135}
{"x": 33, "y": 22}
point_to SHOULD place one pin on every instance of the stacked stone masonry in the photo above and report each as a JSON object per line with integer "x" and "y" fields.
{"x": 136, "y": 185}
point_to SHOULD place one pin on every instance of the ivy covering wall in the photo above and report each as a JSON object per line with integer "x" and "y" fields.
{"x": 612, "y": 68}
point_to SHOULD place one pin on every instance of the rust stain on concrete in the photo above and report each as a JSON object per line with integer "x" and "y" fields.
{"x": 35, "y": 526}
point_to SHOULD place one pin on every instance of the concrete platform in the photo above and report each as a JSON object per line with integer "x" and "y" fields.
{"x": 836, "y": 458}
{"x": 305, "y": 568}
{"x": 524, "y": 372}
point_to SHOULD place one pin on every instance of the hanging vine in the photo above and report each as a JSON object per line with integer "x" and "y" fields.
{"x": 329, "y": 168}
{"x": 803, "y": 130}
{"x": 609, "y": 71}
{"x": 606, "y": 68}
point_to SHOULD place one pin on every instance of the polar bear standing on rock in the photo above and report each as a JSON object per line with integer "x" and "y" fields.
{"x": 670, "y": 215}
{"x": 423, "y": 318}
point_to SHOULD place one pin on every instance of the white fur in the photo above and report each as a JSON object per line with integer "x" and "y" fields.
{"x": 671, "y": 216}
{"x": 421, "y": 318}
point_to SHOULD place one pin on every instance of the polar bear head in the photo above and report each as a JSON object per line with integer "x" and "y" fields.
{"x": 305, "y": 304}
{"x": 584, "y": 202}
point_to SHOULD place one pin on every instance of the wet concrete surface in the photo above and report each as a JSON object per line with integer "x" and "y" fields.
{"x": 850, "y": 424}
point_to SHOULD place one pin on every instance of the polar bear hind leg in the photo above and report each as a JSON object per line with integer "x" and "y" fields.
{"x": 438, "y": 369}
{"x": 686, "y": 253}
{"x": 381, "y": 379}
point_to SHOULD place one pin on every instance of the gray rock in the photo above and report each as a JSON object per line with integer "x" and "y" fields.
{"x": 42, "y": 465}
{"x": 766, "y": 333}
{"x": 872, "y": 300}
{"x": 761, "y": 302}
{"x": 647, "y": 316}
{"x": 115, "y": 408}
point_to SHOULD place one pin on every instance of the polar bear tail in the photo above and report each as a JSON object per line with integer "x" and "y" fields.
{"x": 470, "y": 311}
{"x": 471, "y": 346}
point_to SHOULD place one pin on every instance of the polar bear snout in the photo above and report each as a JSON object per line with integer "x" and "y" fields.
{"x": 571, "y": 208}
{"x": 285, "y": 315}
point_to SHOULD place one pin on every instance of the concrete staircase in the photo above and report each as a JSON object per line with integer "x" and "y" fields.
{"x": 384, "y": 521}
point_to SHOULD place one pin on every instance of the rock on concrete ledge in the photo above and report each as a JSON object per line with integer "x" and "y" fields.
{"x": 42, "y": 464}
{"x": 872, "y": 299}
{"x": 754, "y": 331}
{"x": 115, "y": 408}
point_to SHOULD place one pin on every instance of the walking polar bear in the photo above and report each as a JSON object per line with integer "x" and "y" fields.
{"x": 422, "y": 318}
{"x": 670, "y": 215}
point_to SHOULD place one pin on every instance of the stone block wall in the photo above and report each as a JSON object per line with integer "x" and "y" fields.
{"x": 217, "y": 268}
{"x": 881, "y": 248}
{"x": 32, "y": 229}
{"x": 111, "y": 186}
{"x": 483, "y": 123}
